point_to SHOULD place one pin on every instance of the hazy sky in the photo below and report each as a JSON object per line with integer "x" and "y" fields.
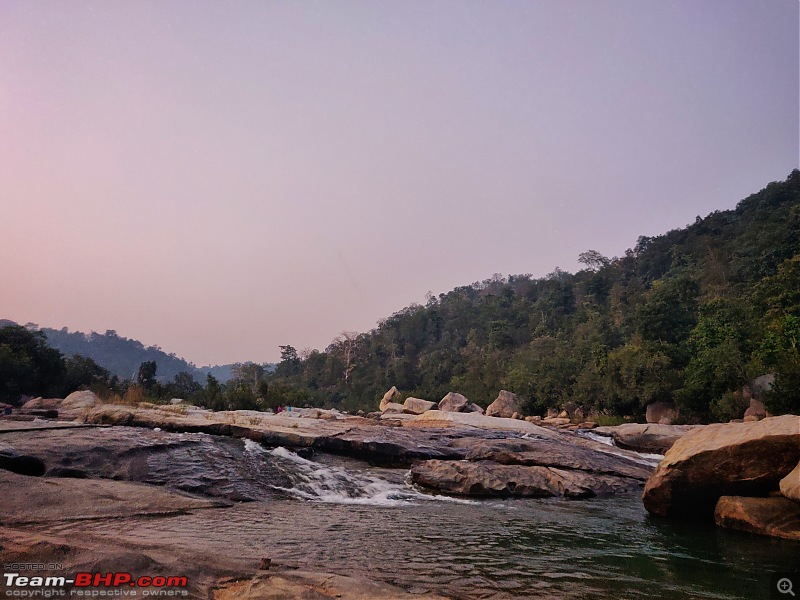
{"x": 221, "y": 177}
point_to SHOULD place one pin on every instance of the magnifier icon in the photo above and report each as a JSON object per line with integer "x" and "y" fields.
{"x": 785, "y": 586}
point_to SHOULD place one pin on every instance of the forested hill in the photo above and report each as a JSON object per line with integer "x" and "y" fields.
{"x": 689, "y": 316}
{"x": 122, "y": 356}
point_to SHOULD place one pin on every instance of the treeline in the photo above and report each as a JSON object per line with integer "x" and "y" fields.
{"x": 689, "y": 317}
{"x": 30, "y": 367}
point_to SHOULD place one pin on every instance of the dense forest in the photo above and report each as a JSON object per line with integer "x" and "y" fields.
{"x": 122, "y": 356}
{"x": 689, "y": 317}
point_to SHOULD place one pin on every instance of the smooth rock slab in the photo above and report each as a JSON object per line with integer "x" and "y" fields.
{"x": 775, "y": 517}
{"x": 731, "y": 459}
{"x": 488, "y": 478}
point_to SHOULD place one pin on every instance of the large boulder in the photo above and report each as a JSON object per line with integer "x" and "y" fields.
{"x": 663, "y": 413}
{"x": 42, "y": 403}
{"x": 489, "y": 478}
{"x": 391, "y": 396}
{"x": 790, "y": 485}
{"x": 417, "y": 406}
{"x": 730, "y": 459}
{"x": 505, "y": 405}
{"x": 81, "y": 399}
{"x": 453, "y": 402}
{"x": 775, "y": 517}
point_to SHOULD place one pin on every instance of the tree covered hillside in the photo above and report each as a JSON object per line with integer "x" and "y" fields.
{"x": 690, "y": 316}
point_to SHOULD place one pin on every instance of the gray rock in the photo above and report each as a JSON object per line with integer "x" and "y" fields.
{"x": 663, "y": 413}
{"x": 453, "y": 402}
{"x": 417, "y": 406}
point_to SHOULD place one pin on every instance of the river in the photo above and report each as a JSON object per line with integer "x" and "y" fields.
{"x": 340, "y": 515}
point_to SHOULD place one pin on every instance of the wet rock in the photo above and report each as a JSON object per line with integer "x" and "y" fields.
{"x": 652, "y": 437}
{"x": 663, "y": 413}
{"x": 417, "y": 406}
{"x": 391, "y": 396}
{"x": 775, "y": 517}
{"x": 489, "y": 478}
{"x": 560, "y": 451}
{"x": 453, "y": 402}
{"x": 731, "y": 459}
{"x": 505, "y": 405}
{"x": 218, "y": 467}
{"x": 790, "y": 485}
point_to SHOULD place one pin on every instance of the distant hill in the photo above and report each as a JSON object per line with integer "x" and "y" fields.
{"x": 122, "y": 356}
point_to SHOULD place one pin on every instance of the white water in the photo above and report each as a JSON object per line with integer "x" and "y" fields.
{"x": 609, "y": 441}
{"x": 325, "y": 483}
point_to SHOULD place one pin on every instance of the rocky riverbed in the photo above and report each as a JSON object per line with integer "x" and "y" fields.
{"x": 163, "y": 462}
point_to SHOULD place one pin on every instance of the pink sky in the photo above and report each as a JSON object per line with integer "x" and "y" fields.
{"x": 219, "y": 178}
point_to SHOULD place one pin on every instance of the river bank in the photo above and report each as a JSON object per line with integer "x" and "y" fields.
{"x": 342, "y": 506}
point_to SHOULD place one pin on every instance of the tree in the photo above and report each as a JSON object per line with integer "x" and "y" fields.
{"x": 27, "y": 365}
{"x": 146, "y": 376}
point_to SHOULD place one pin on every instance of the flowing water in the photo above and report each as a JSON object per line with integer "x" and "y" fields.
{"x": 339, "y": 515}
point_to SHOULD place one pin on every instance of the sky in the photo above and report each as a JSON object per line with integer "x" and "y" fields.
{"x": 220, "y": 178}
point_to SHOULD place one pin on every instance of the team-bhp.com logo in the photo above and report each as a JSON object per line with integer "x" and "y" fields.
{"x": 93, "y": 584}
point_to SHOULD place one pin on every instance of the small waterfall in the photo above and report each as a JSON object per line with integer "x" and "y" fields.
{"x": 609, "y": 441}
{"x": 317, "y": 482}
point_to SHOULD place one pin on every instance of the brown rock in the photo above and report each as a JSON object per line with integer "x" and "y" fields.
{"x": 756, "y": 409}
{"x": 417, "y": 406}
{"x": 555, "y": 421}
{"x": 775, "y": 517}
{"x": 391, "y": 396}
{"x": 663, "y": 413}
{"x": 392, "y": 408}
{"x": 563, "y": 415}
{"x": 730, "y": 459}
{"x": 82, "y": 399}
{"x": 790, "y": 485}
{"x": 304, "y": 585}
{"x": 473, "y": 408}
{"x": 488, "y": 478}
{"x": 505, "y": 405}
{"x": 453, "y": 402}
